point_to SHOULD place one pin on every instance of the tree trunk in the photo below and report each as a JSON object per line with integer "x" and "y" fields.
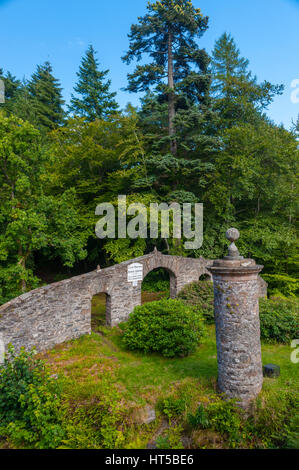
{"x": 22, "y": 262}
{"x": 171, "y": 97}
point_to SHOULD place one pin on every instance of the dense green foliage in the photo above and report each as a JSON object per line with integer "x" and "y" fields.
{"x": 279, "y": 320}
{"x": 200, "y": 134}
{"x": 221, "y": 416}
{"x": 279, "y": 317}
{"x": 166, "y": 326}
{"x": 201, "y": 295}
{"x": 32, "y": 220}
{"x": 45, "y": 98}
{"x": 29, "y": 402}
{"x": 280, "y": 427}
{"x": 36, "y": 412}
{"x": 156, "y": 281}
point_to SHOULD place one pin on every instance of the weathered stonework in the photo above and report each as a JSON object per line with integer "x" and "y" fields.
{"x": 236, "y": 296}
{"x": 61, "y": 311}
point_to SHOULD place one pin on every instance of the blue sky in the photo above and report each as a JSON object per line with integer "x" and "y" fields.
{"x": 33, "y": 31}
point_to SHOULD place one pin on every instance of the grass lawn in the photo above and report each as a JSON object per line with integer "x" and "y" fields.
{"x": 145, "y": 379}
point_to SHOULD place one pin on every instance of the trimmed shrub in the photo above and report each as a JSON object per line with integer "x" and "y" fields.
{"x": 201, "y": 295}
{"x": 169, "y": 327}
{"x": 279, "y": 320}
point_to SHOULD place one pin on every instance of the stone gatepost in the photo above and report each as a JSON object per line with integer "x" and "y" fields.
{"x": 236, "y": 308}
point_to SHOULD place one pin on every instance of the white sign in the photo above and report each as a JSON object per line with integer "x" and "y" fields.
{"x": 135, "y": 273}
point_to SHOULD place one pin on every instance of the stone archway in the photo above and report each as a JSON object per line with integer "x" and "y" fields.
{"x": 206, "y": 277}
{"x": 100, "y": 310}
{"x": 172, "y": 280}
{"x": 61, "y": 311}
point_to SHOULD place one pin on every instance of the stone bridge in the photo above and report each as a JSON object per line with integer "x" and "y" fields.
{"x": 61, "y": 311}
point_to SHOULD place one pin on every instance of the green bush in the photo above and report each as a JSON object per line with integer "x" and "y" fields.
{"x": 171, "y": 439}
{"x": 282, "y": 285}
{"x": 171, "y": 406}
{"x": 224, "y": 417}
{"x": 155, "y": 286}
{"x": 29, "y": 402}
{"x": 169, "y": 327}
{"x": 41, "y": 425}
{"x": 95, "y": 423}
{"x": 35, "y": 412}
{"x": 279, "y": 319}
{"x": 156, "y": 281}
{"x": 221, "y": 416}
{"x": 200, "y": 419}
{"x": 276, "y": 420}
{"x": 201, "y": 295}
{"x": 16, "y": 374}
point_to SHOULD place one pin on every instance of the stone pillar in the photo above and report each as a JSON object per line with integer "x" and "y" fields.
{"x": 236, "y": 307}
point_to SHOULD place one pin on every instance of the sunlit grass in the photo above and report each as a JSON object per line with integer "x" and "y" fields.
{"x": 144, "y": 378}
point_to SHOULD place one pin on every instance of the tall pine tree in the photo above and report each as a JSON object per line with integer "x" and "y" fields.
{"x": 46, "y": 98}
{"x": 177, "y": 68}
{"x": 22, "y": 105}
{"x": 94, "y": 99}
{"x": 238, "y": 95}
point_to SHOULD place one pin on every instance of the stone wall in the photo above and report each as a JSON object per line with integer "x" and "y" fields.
{"x": 61, "y": 311}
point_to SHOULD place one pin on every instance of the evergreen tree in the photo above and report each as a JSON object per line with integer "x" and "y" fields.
{"x": 238, "y": 95}
{"x": 46, "y": 98}
{"x": 94, "y": 100}
{"x": 11, "y": 84}
{"x": 18, "y": 100}
{"x": 21, "y": 105}
{"x": 178, "y": 69}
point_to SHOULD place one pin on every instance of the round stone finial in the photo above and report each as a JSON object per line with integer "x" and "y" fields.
{"x": 232, "y": 234}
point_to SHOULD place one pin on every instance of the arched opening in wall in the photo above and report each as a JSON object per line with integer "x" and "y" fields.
{"x": 100, "y": 310}
{"x": 158, "y": 284}
{"x": 206, "y": 277}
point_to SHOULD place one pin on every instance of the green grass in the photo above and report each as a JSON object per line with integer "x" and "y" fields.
{"x": 144, "y": 379}
{"x": 137, "y": 371}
